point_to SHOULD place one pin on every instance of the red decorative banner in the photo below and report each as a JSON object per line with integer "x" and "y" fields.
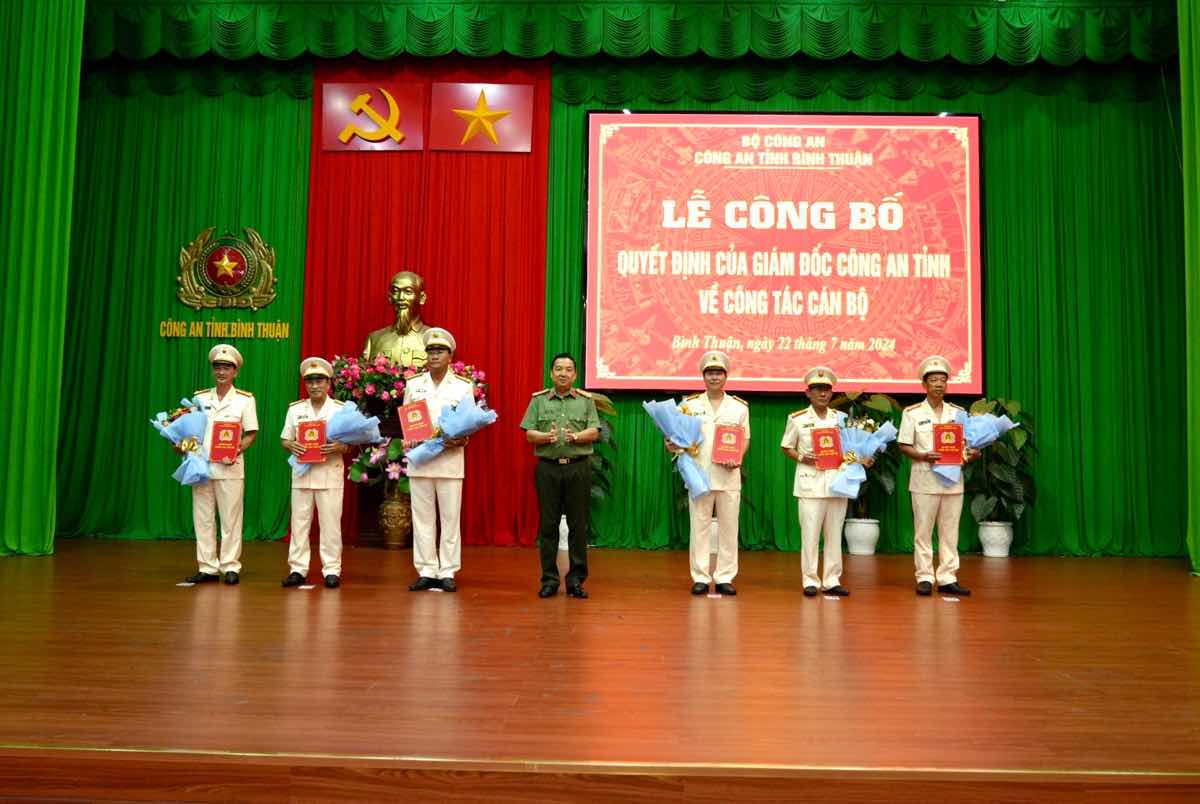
{"x": 373, "y": 117}
{"x": 481, "y": 117}
{"x": 787, "y": 241}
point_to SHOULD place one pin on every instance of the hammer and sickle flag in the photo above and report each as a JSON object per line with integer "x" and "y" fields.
{"x": 372, "y": 117}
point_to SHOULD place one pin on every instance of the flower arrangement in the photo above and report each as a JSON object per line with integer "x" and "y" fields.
{"x": 376, "y": 386}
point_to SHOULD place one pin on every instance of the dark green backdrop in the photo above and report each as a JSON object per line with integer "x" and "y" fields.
{"x": 163, "y": 153}
{"x": 1083, "y": 286}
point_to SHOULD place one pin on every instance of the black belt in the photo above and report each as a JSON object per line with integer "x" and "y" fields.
{"x": 564, "y": 461}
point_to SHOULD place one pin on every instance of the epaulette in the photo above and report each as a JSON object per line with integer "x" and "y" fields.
{"x": 796, "y": 412}
{"x": 913, "y": 407}
{"x": 951, "y": 404}
{"x": 297, "y": 402}
{"x": 543, "y": 391}
{"x": 583, "y": 393}
{"x": 693, "y": 396}
{"x": 201, "y": 391}
{"x": 244, "y": 393}
{"x": 739, "y": 399}
{"x": 466, "y": 377}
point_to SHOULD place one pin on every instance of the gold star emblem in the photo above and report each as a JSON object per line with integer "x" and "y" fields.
{"x": 480, "y": 118}
{"x": 225, "y": 266}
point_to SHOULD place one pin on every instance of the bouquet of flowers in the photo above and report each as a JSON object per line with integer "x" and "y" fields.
{"x": 861, "y": 440}
{"x": 184, "y": 427}
{"x": 685, "y": 432}
{"x": 979, "y": 430}
{"x": 464, "y": 419}
{"x": 377, "y": 386}
{"x": 348, "y": 426}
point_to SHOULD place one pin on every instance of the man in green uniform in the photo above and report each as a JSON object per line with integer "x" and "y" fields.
{"x": 563, "y": 424}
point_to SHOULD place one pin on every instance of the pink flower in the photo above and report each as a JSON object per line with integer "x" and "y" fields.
{"x": 480, "y": 376}
{"x": 393, "y": 471}
{"x": 385, "y": 396}
{"x": 358, "y": 393}
{"x": 355, "y": 372}
{"x": 370, "y": 389}
{"x": 376, "y": 455}
{"x": 399, "y": 386}
{"x": 381, "y": 361}
{"x": 409, "y": 373}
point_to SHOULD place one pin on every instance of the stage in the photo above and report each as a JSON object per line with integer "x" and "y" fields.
{"x": 1058, "y": 679}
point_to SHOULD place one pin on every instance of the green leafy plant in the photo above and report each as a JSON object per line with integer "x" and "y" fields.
{"x": 870, "y": 412}
{"x": 1000, "y": 483}
{"x": 604, "y": 453}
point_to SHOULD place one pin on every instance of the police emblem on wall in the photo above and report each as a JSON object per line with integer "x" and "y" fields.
{"x": 227, "y": 271}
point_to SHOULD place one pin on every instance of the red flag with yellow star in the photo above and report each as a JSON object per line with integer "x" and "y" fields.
{"x": 481, "y": 117}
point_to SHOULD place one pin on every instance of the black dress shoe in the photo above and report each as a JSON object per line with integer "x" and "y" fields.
{"x": 924, "y": 589}
{"x": 726, "y": 589}
{"x": 294, "y": 579}
{"x": 448, "y": 585}
{"x": 201, "y": 577}
{"x": 576, "y": 591}
{"x": 838, "y": 591}
{"x": 548, "y": 591}
{"x": 423, "y": 583}
{"x": 332, "y": 582}
{"x": 954, "y": 589}
{"x": 810, "y": 591}
{"x": 231, "y": 578}
{"x": 699, "y": 589}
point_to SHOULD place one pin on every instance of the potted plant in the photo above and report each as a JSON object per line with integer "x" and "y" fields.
{"x": 1000, "y": 483}
{"x": 869, "y": 412}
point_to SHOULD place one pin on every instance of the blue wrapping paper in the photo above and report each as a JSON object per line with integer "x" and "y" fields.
{"x": 464, "y": 419}
{"x": 348, "y": 426}
{"x": 193, "y": 468}
{"x": 979, "y": 431}
{"x": 685, "y": 432}
{"x": 849, "y": 479}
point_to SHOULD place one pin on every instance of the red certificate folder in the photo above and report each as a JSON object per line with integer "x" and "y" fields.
{"x": 827, "y": 447}
{"x": 948, "y": 443}
{"x": 225, "y": 439}
{"x": 729, "y": 442}
{"x": 415, "y": 422}
{"x": 311, "y": 436}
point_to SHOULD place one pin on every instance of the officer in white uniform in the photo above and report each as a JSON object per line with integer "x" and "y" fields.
{"x": 933, "y": 501}
{"x": 223, "y": 493}
{"x": 322, "y": 486}
{"x": 819, "y": 510}
{"x": 436, "y": 486}
{"x": 714, "y": 407}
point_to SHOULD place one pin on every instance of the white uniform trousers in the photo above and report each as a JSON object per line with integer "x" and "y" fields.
{"x": 945, "y": 510}
{"x": 208, "y": 499}
{"x": 434, "y": 499}
{"x": 329, "y": 510}
{"x": 726, "y": 505}
{"x": 817, "y": 514}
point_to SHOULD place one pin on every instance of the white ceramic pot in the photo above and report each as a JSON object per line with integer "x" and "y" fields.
{"x": 996, "y": 538}
{"x": 861, "y": 536}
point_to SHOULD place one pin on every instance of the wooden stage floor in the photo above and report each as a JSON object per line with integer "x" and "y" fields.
{"x": 1059, "y": 679}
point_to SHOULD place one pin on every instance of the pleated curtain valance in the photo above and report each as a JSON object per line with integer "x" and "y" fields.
{"x": 1059, "y": 32}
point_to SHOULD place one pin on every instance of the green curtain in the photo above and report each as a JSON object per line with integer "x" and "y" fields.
{"x": 155, "y": 170}
{"x": 969, "y": 31}
{"x": 1189, "y": 71}
{"x": 1083, "y": 299}
{"x": 39, "y": 100}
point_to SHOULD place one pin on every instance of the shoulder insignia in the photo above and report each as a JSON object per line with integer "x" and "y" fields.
{"x": 543, "y": 391}
{"x": 692, "y": 396}
{"x": 297, "y": 402}
{"x": 583, "y": 393}
{"x": 739, "y": 399}
{"x": 913, "y": 407}
{"x": 244, "y": 393}
{"x": 199, "y": 391}
{"x": 465, "y": 377}
{"x": 956, "y": 407}
{"x": 796, "y": 412}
